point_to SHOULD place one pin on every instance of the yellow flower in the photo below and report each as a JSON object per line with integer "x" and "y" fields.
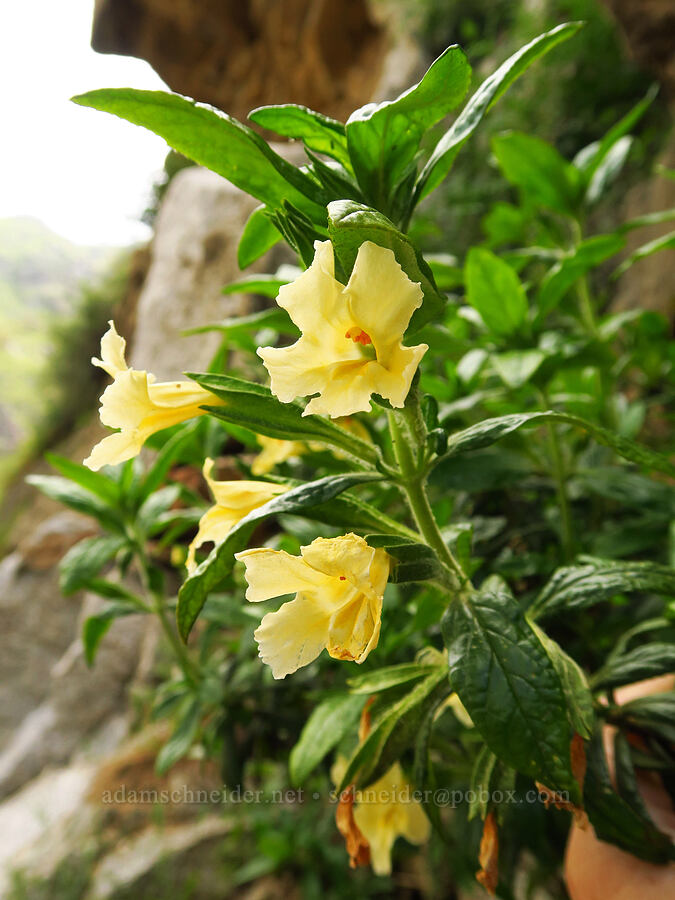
{"x": 274, "y": 451}
{"x": 350, "y": 346}
{"x": 338, "y": 605}
{"x": 234, "y": 500}
{"x": 137, "y": 405}
{"x": 385, "y": 810}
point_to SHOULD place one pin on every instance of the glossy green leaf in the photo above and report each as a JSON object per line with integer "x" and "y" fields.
{"x": 391, "y": 676}
{"x": 318, "y": 132}
{"x": 606, "y": 173}
{"x": 654, "y": 714}
{"x": 538, "y": 171}
{"x": 260, "y": 234}
{"x": 516, "y": 367}
{"x": 95, "y": 482}
{"x": 383, "y": 138}
{"x": 156, "y": 504}
{"x": 494, "y": 290}
{"x": 488, "y": 93}
{"x": 166, "y": 457}
{"x": 510, "y": 687}
{"x": 86, "y": 559}
{"x": 70, "y": 494}
{"x": 613, "y": 819}
{"x": 329, "y": 722}
{"x": 275, "y": 318}
{"x": 567, "y": 271}
{"x": 215, "y": 140}
{"x": 393, "y": 730}
{"x": 492, "y": 430}
{"x": 219, "y": 563}
{"x": 646, "y": 661}
{"x": 95, "y": 628}
{"x": 351, "y": 224}
{"x": 253, "y": 406}
{"x": 579, "y": 586}
{"x": 665, "y": 242}
{"x": 264, "y": 285}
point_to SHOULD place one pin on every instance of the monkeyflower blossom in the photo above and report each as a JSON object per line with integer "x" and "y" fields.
{"x": 275, "y": 451}
{"x": 351, "y": 343}
{"x": 234, "y": 500}
{"x": 338, "y": 585}
{"x": 138, "y": 405}
{"x": 386, "y": 810}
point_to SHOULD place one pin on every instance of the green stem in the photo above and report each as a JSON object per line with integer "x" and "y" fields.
{"x": 413, "y": 483}
{"x": 560, "y": 477}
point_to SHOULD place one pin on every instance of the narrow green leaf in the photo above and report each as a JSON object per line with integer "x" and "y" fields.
{"x": 265, "y": 285}
{"x": 253, "y": 406}
{"x": 539, "y": 171}
{"x": 510, "y": 688}
{"x": 65, "y": 491}
{"x": 218, "y": 565}
{"x": 383, "y": 138}
{"x": 613, "y": 819}
{"x": 579, "y": 586}
{"x": 182, "y": 738}
{"x": 393, "y": 731}
{"x": 516, "y": 367}
{"x": 391, "y": 676}
{"x": 86, "y": 559}
{"x": 646, "y": 661}
{"x": 156, "y": 504}
{"x": 441, "y": 160}
{"x": 481, "y": 782}
{"x": 275, "y": 318}
{"x": 330, "y": 721}
{"x": 351, "y": 224}
{"x": 95, "y": 482}
{"x": 608, "y": 169}
{"x": 318, "y": 132}
{"x": 166, "y": 457}
{"x": 95, "y": 628}
{"x": 215, "y": 140}
{"x": 494, "y": 290}
{"x": 665, "y": 242}
{"x": 567, "y": 271}
{"x": 260, "y": 234}
{"x": 492, "y": 430}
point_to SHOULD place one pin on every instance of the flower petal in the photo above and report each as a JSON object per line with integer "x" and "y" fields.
{"x": 112, "y": 352}
{"x": 114, "y": 449}
{"x": 306, "y": 367}
{"x": 293, "y": 636}
{"x": 380, "y": 833}
{"x": 313, "y": 298}
{"x": 355, "y": 629}
{"x": 214, "y": 525}
{"x": 349, "y": 556}
{"x": 381, "y": 296}
{"x": 271, "y": 573}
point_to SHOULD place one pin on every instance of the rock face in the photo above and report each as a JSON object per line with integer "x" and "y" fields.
{"x": 193, "y": 255}
{"x": 239, "y": 54}
{"x": 648, "y": 26}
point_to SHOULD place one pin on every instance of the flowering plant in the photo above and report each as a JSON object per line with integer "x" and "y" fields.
{"x": 462, "y": 423}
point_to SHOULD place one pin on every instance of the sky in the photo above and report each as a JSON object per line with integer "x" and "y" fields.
{"x": 84, "y": 173}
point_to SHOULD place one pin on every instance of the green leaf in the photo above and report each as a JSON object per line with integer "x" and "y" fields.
{"x": 391, "y": 676}
{"x": 539, "y": 171}
{"x": 275, "y": 318}
{"x": 567, "y": 271}
{"x": 510, "y": 688}
{"x": 415, "y": 562}
{"x": 573, "y": 681}
{"x": 488, "y": 93}
{"x": 516, "y": 367}
{"x": 482, "y": 782}
{"x": 215, "y": 140}
{"x": 665, "y": 242}
{"x": 182, "y": 738}
{"x": 613, "y": 819}
{"x": 75, "y": 497}
{"x": 646, "y": 661}
{"x": 95, "y": 628}
{"x": 608, "y": 169}
{"x": 393, "y": 731}
{"x": 86, "y": 559}
{"x": 350, "y": 224}
{"x": 494, "y": 290}
{"x": 111, "y": 590}
{"x": 328, "y": 724}
{"x": 165, "y": 459}
{"x": 156, "y": 504}
{"x": 220, "y": 562}
{"x": 94, "y": 482}
{"x": 492, "y": 430}
{"x": 576, "y": 587}
{"x": 318, "y": 132}
{"x": 265, "y": 285}
{"x": 260, "y": 234}
{"x": 383, "y": 138}
{"x": 654, "y": 714}
{"x": 253, "y": 406}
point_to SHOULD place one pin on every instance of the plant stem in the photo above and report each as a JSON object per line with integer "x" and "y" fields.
{"x": 560, "y": 477}
{"x": 413, "y": 483}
